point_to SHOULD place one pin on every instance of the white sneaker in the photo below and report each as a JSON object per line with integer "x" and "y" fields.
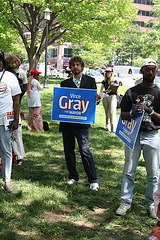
{"x": 152, "y": 213}
{"x": 70, "y": 181}
{"x": 123, "y": 208}
{"x": 94, "y": 186}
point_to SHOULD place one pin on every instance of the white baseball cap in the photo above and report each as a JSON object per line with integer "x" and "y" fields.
{"x": 109, "y": 69}
{"x": 148, "y": 62}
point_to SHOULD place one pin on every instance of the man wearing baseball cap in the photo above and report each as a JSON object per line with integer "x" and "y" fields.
{"x": 145, "y": 96}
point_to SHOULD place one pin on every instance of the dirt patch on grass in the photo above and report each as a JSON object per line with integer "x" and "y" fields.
{"x": 38, "y": 154}
{"x": 54, "y": 166}
{"x": 88, "y": 221}
{"x": 54, "y": 217}
{"x": 27, "y": 202}
{"x": 97, "y": 215}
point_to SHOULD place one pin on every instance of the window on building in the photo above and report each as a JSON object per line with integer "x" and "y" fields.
{"x": 139, "y": 12}
{"x": 67, "y": 52}
{"x": 143, "y": 24}
{"x": 146, "y": 2}
{"x": 53, "y": 52}
{"x": 145, "y": 13}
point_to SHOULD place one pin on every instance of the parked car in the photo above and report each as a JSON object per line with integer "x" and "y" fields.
{"x": 157, "y": 81}
{"x": 131, "y": 71}
{"x": 102, "y": 71}
{"x": 125, "y": 80}
{"x": 97, "y": 75}
{"x": 86, "y": 71}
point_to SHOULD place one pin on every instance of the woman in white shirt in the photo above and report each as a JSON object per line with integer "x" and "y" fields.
{"x": 34, "y": 88}
{"x": 17, "y": 140}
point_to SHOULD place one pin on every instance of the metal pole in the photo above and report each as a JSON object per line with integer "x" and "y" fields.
{"x": 45, "y": 77}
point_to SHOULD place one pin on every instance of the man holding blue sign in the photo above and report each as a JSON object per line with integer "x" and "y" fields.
{"x": 145, "y": 96}
{"x": 79, "y": 131}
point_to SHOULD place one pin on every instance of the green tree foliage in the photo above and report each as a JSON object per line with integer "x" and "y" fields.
{"x": 8, "y": 37}
{"x": 71, "y": 20}
{"x": 136, "y": 43}
{"x": 94, "y": 55}
{"x": 154, "y": 41}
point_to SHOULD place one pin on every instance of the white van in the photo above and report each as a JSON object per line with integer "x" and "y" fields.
{"x": 128, "y": 70}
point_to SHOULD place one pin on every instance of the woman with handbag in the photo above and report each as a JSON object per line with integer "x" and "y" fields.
{"x": 110, "y": 86}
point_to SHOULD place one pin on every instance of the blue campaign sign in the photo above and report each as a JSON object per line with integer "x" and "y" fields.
{"x": 127, "y": 130}
{"x": 74, "y": 105}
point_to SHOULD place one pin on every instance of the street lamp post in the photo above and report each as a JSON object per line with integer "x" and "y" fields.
{"x": 47, "y": 13}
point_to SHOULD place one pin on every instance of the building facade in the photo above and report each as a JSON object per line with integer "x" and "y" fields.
{"x": 59, "y": 55}
{"x": 145, "y": 13}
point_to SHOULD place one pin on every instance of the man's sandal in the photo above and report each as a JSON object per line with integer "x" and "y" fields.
{"x": 8, "y": 188}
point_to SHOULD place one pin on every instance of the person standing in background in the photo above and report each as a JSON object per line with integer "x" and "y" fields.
{"x": 110, "y": 86}
{"x": 51, "y": 70}
{"x": 22, "y": 78}
{"x": 35, "y": 121}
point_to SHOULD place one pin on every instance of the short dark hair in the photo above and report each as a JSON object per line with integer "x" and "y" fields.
{"x": 76, "y": 59}
{"x": 5, "y": 62}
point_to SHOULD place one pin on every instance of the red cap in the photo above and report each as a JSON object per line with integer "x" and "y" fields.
{"x": 34, "y": 72}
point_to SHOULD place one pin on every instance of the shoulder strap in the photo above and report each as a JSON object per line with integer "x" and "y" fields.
{"x": 2, "y": 75}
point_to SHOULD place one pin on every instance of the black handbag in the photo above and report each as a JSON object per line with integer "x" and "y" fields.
{"x": 45, "y": 126}
{"x": 119, "y": 99}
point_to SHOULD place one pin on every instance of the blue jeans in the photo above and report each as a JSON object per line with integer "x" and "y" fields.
{"x": 148, "y": 142}
{"x": 6, "y": 153}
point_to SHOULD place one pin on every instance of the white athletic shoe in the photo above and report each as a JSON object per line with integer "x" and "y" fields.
{"x": 71, "y": 181}
{"x": 94, "y": 186}
{"x": 152, "y": 213}
{"x": 123, "y": 208}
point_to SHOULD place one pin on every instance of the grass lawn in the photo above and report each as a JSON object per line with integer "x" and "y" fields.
{"x": 44, "y": 207}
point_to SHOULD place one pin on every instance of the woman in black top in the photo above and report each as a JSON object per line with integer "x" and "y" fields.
{"x": 110, "y": 86}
